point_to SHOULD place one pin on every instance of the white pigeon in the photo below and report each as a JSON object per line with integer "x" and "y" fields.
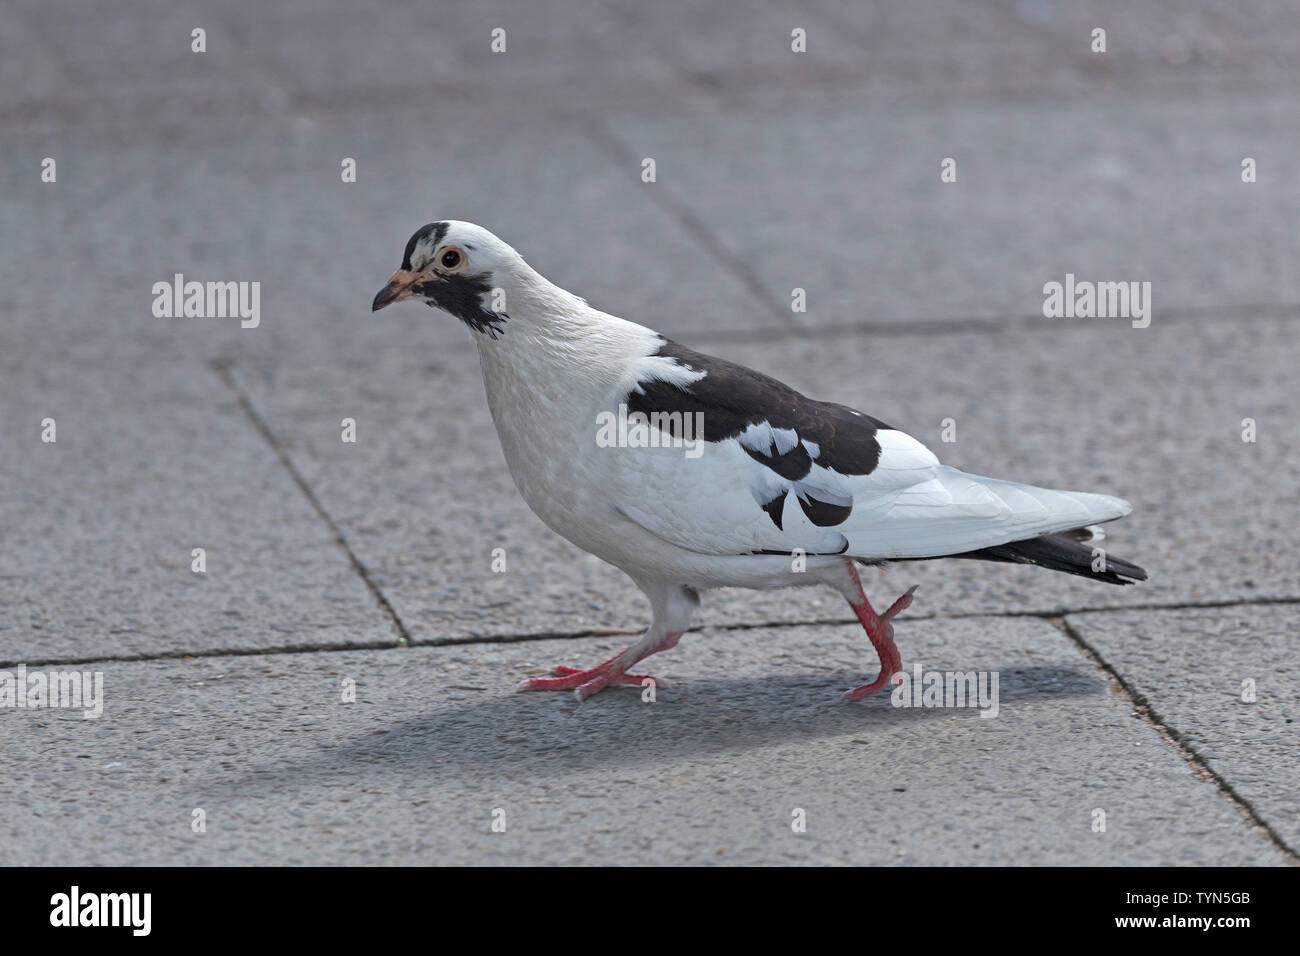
{"x": 689, "y": 472}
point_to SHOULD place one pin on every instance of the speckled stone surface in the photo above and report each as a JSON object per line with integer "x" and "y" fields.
{"x": 329, "y": 563}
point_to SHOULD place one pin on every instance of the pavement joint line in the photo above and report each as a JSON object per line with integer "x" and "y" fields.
{"x": 1147, "y": 712}
{"x": 344, "y": 646}
{"x": 223, "y": 371}
{"x": 130, "y": 111}
{"x": 1023, "y": 322}
{"x": 620, "y": 153}
{"x": 145, "y": 657}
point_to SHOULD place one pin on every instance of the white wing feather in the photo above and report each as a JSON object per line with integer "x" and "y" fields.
{"x": 910, "y": 506}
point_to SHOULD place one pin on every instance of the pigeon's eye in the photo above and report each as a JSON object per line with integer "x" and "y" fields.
{"x": 451, "y": 258}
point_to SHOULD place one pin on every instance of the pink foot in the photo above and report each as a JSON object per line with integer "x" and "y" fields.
{"x": 633, "y": 679}
{"x": 584, "y": 683}
{"x": 881, "y": 632}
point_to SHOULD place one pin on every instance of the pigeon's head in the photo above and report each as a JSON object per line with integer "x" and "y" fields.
{"x": 460, "y": 268}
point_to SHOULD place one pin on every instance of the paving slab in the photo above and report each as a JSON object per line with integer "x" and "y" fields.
{"x": 1226, "y": 681}
{"x": 277, "y": 59}
{"x": 711, "y": 772}
{"x": 1007, "y": 50}
{"x": 130, "y": 69}
{"x": 425, "y": 496}
{"x": 274, "y": 210}
{"x": 849, "y": 206}
{"x": 152, "y": 460}
{"x": 775, "y": 170}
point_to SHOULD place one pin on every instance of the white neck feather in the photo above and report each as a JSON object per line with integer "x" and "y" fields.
{"x": 553, "y": 339}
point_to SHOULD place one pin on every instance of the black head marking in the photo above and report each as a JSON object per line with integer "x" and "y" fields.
{"x": 438, "y": 230}
{"x": 462, "y": 296}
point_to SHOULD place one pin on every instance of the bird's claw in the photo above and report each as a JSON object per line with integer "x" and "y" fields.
{"x": 584, "y": 683}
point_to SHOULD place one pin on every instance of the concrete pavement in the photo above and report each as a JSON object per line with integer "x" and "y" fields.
{"x": 330, "y": 563}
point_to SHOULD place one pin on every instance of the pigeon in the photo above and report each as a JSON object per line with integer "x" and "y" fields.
{"x": 688, "y": 472}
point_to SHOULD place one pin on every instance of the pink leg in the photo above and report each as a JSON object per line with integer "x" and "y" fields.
{"x": 584, "y": 683}
{"x": 881, "y": 632}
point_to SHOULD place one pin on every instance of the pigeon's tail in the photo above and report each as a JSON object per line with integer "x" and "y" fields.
{"x": 1074, "y": 552}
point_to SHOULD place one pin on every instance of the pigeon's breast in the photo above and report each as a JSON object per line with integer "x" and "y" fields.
{"x": 546, "y": 424}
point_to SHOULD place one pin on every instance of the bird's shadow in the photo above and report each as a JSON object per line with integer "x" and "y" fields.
{"x": 514, "y": 736}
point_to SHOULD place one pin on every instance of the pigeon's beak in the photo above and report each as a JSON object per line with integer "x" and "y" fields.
{"x": 398, "y": 288}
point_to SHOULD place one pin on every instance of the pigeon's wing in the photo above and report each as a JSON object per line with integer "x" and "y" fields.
{"x": 775, "y": 471}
